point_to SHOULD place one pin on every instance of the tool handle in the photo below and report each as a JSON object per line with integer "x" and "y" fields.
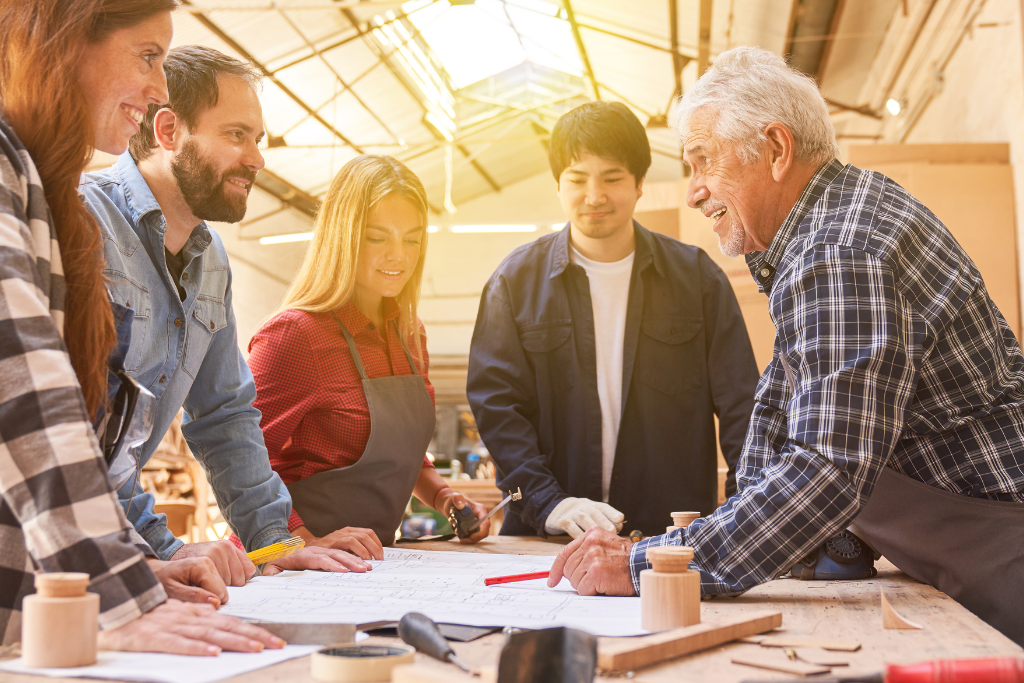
{"x": 422, "y": 633}
{"x": 464, "y": 521}
{"x": 995, "y": 670}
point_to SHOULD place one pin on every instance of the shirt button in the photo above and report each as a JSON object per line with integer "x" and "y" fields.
{"x": 765, "y": 272}
{"x": 128, "y": 303}
{"x": 184, "y": 276}
{"x": 177, "y": 322}
{"x": 163, "y": 378}
{"x": 211, "y": 325}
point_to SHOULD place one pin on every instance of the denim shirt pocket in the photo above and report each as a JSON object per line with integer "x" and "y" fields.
{"x": 546, "y": 347}
{"x": 670, "y": 357}
{"x": 209, "y": 317}
{"x": 130, "y": 294}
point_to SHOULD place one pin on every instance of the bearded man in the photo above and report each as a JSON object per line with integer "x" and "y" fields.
{"x": 895, "y": 397}
{"x": 194, "y": 160}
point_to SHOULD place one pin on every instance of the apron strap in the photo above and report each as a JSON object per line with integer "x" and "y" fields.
{"x": 352, "y": 347}
{"x": 408, "y": 355}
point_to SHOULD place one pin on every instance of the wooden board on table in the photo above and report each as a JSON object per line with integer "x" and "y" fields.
{"x": 626, "y": 654}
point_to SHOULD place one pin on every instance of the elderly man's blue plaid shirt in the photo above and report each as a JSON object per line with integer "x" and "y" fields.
{"x": 888, "y": 352}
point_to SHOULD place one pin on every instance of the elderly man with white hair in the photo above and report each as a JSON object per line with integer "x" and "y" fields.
{"x": 894, "y": 401}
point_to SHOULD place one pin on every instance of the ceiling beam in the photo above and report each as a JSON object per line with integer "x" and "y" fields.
{"x": 288, "y": 194}
{"x": 704, "y": 37}
{"x": 833, "y": 31}
{"x": 338, "y": 43}
{"x": 474, "y": 163}
{"x": 345, "y": 87}
{"x": 581, "y": 48}
{"x": 677, "y": 62}
{"x": 686, "y": 58}
{"x": 234, "y": 45}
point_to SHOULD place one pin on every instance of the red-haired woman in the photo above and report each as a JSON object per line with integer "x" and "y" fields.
{"x": 76, "y": 76}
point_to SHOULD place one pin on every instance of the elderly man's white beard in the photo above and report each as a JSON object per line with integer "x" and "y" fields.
{"x": 732, "y": 243}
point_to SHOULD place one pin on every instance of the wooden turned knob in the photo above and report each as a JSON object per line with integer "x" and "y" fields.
{"x": 683, "y": 519}
{"x": 62, "y": 584}
{"x": 670, "y": 559}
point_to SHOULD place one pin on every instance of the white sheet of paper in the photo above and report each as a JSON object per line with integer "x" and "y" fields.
{"x": 446, "y": 586}
{"x": 160, "y": 668}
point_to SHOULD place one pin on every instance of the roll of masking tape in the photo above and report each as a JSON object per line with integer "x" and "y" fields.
{"x": 359, "y": 662}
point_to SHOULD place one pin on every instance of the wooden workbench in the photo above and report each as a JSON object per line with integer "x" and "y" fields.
{"x": 845, "y": 611}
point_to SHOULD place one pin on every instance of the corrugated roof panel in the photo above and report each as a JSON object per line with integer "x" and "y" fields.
{"x": 391, "y": 101}
{"x": 311, "y": 80}
{"x": 352, "y": 59}
{"x": 310, "y": 132}
{"x": 280, "y": 112}
{"x": 356, "y": 122}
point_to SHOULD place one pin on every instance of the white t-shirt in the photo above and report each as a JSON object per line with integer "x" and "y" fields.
{"x": 609, "y": 292}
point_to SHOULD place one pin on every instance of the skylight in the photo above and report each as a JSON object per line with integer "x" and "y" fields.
{"x": 478, "y": 40}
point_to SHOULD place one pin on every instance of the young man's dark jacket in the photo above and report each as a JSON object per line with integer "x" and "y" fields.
{"x": 533, "y": 383}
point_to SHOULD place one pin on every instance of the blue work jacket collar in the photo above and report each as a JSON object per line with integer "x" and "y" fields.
{"x": 558, "y": 260}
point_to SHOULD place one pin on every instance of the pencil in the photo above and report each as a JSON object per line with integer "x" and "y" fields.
{"x": 277, "y": 550}
{"x": 515, "y": 577}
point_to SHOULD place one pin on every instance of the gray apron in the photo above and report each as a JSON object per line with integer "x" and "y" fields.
{"x": 374, "y": 492}
{"x": 971, "y": 549}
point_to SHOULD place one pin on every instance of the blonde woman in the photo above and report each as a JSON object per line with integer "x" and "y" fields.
{"x": 341, "y": 369}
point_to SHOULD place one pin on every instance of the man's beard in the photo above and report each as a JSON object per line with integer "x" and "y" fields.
{"x": 732, "y": 244}
{"x": 203, "y": 188}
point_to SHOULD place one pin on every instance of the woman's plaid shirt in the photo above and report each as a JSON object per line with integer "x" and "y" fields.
{"x": 888, "y": 352}
{"x": 57, "y": 512}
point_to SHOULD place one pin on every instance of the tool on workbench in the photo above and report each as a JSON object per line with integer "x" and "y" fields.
{"x": 422, "y": 633}
{"x": 669, "y": 591}
{"x": 993, "y": 670}
{"x": 845, "y": 556}
{"x": 465, "y": 521}
{"x": 277, "y": 550}
{"x": 635, "y": 536}
{"x": 551, "y": 655}
{"x": 512, "y": 578}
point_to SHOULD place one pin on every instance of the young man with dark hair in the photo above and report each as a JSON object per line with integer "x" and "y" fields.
{"x": 602, "y": 353}
{"x": 194, "y": 160}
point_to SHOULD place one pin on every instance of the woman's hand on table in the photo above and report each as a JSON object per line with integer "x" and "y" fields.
{"x": 191, "y": 579}
{"x": 446, "y": 498}
{"x": 360, "y": 542}
{"x": 185, "y": 628}
{"x": 314, "y": 557}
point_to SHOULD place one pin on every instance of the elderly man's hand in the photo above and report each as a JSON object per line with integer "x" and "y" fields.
{"x": 596, "y": 563}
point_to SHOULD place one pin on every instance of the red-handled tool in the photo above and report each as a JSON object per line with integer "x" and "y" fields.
{"x": 994, "y": 670}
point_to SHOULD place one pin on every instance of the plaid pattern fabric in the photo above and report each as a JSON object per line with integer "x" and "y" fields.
{"x": 57, "y": 512}
{"x": 888, "y": 352}
{"x": 315, "y": 416}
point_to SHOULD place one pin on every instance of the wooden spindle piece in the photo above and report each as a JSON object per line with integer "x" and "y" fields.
{"x": 60, "y": 621}
{"x": 669, "y": 592}
{"x": 681, "y": 520}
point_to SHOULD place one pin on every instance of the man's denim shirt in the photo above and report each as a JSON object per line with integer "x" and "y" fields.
{"x": 186, "y": 353}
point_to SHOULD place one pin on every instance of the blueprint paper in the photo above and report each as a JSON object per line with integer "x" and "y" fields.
{"x": 160, "y": 668}
{"x": 446, "y": 586}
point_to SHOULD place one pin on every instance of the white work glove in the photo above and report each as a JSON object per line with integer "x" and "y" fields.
{"x": 573, "y": 516}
